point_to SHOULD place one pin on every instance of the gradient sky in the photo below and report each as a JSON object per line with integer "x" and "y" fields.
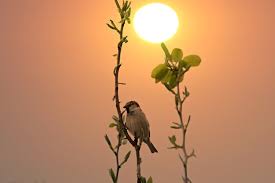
{"x": 56, "y": 86}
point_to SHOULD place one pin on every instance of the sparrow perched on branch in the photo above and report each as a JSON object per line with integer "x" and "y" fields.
{"x": 137, "y": 124}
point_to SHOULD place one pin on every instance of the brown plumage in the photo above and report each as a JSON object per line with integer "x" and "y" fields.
{"x": 137, "y": 124}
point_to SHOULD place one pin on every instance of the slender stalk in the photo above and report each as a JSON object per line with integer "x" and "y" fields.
{"x": 138, "y": 160}
{"x": 179, "y": 106}
{"x": 117, "y": 159}
{"x": 117, "y": 98}
{"x": 138, "y": 165}
{"x": 171, "y": 74}
{"x": 116, "y": 74}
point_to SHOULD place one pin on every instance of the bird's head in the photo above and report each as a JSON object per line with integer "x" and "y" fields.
{"x": 131, "y": 106}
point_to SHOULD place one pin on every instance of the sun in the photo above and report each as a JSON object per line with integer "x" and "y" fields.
{"x": 156, "y": 22}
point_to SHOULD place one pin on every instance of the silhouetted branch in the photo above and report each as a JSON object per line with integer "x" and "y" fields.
{"x": 125, "y": 12}
{"x": 186, "y": 156}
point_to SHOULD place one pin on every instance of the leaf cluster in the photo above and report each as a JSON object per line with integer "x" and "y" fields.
{"x": 172, "y": 71}
{"x": 125, "y": 13}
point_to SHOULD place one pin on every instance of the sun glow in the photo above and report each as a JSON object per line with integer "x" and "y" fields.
{"x": 156, "y": 22}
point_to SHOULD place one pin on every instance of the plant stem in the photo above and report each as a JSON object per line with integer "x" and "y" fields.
{"x": 138, "y": 160}
{"x": 116, "y": 73}
{"x": 117, "y": 158}
{"x": 138, "y": 165}
{"x": 117, "y": 101}
{"x": 179, "y": 106}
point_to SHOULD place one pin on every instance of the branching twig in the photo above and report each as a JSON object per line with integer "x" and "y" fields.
{"x": 179, "y": 100}
{"x": 171, "y": 74}
{"x": 125, "y": 12}
{"x": 116, "y": 74}
{"x": 115, "y": 151}
{"x": 186, "y": 156}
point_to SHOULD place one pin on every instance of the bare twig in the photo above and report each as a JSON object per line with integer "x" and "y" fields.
{"x": 179, "y": 106}
{"x": 138, "y": 160}
{"x": 116, "y": 73}
{"x": 118, "y": 166}
{"x": 124, "y": 11}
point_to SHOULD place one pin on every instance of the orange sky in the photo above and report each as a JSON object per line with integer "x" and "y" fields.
{"x": 56, "y": 89}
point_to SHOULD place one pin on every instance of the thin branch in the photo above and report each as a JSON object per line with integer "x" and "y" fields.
{"x": 188, "y": 121}
{"x": 179, "y": 107}
{"x": 138, "y": 160}
{"x": 122, "y": 83}
{"x": 117, "y": 158}
{"x": 124, "y": 15}
{"x": 116, "y": 73}
{"x": 177, "y": 68}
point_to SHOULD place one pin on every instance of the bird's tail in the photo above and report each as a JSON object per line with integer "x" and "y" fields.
{"x": 151, "y": 147}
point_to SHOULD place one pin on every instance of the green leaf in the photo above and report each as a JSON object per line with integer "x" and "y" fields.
{"x": 124, "y": 6}
{"x": 157, "y": 69}
{"x": 150, "y": 180}
{"x": 128, "y": 20}
{"x": 180, "y": 75}
{"x": 177, "y": 126}
{"x": 112, "y": 125}
{"x": 177, "y": 54}
{"x": 173, "y": 139}
{"x": 183, "y": 64}
{"x": 127, "y": 156}
{"x": 192, "y": 60}
{"x": 186, "y": 92}
{"x": 143, "y": 179}
{"x": 108, "y": 140}
{"x": 112, "y": 174}
{"x": 115, "y": 118}
{"x": 166, "y": 51}
{"x": 173, "y": 81}
{"x": 159, "y": 72}
{"x": 129, "y": 5}
{"x": 167, "y": 77}
{"x": 111, "y": 27}
{"x": 129, "y": 11}
{"x": 118, "y": 6}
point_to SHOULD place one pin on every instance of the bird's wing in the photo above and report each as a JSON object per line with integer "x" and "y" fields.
{"x": 145, "y": 119}
{"x": 145, "y": 125}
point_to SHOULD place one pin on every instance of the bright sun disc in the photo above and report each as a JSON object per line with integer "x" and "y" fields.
{"x": 156, "y": 22}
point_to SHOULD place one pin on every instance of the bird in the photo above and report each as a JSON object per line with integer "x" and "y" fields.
{"x": 138, "y": 125}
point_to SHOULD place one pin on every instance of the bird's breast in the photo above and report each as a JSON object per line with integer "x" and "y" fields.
{"x": 137, "y": 125}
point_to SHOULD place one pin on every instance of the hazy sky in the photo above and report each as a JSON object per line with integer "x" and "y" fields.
{"x": 56, "y": 86}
